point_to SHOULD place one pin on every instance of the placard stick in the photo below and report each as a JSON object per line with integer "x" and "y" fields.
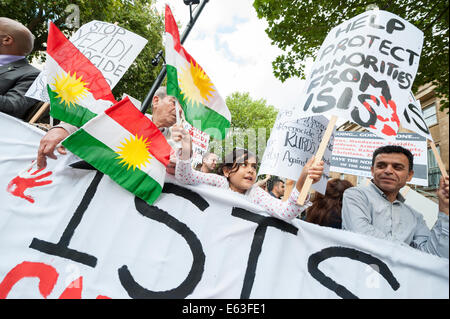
{"x": 322, "y": 147}
{"x": 38, "y": 114}
{"x": 438, "y": 159}
{"x": 288, "y": 187}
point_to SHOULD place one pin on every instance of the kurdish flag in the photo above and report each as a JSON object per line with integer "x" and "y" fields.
{"x": 77, "y": 89}
{"x": 203, "y": 107}
{"x": 125, "y": 145}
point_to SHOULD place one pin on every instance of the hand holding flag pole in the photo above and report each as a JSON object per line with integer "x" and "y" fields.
{"x": 175, "y": 143}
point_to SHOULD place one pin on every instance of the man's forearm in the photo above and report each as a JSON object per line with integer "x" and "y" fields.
{"x": 68, "y": 127}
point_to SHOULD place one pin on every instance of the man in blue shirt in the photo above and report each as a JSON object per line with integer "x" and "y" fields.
{"x": 379, "y": 209}
{"x": 277, "y": 190}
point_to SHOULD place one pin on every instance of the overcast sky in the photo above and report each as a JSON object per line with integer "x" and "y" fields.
{"x": 229, "y": 42}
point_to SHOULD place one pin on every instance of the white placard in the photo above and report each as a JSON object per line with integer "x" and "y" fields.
{"x": 112, "y": 49}
{"x": 412, "y": 118}
{"x": 364, "y": 72}
{"x": 352, "y": 153}
{"x": 200, "y": 142}
{"x": 293, "y": 141}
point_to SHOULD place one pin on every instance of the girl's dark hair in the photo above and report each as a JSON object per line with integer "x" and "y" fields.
{"x": 326, "y": 209}
{"x": 236, "y": 156}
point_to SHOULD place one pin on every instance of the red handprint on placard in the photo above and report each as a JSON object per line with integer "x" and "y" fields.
{"x": 19, "y": 184}
{"x": 388, "y": 117}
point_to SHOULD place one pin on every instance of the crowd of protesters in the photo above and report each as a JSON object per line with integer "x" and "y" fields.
{"x": 378, "y": 209}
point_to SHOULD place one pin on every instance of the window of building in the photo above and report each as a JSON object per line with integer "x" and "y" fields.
{"x": 434, "y": 172}
{"x": 429, "y": 114}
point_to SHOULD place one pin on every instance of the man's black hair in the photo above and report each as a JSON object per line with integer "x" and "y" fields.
{"x": 388, "y": 149}
{"x": 272, "y": 182}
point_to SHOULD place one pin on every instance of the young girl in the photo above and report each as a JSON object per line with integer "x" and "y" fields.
{"x": 238, "y": 173}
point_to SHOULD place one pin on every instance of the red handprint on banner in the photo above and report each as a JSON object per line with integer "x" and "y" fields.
{"x": 19, "y": 184}
{"x": 385, "y": 119}
{"x": 47, "y": 276}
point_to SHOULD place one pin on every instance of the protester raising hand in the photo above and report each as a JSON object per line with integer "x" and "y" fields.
{"x": 179, "y": 134}
{"x": 443, "y": 195}
{"x": 263, "y": 183}
{"x": 311, "y": 170}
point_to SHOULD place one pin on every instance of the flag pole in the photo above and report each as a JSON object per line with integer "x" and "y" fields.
{"x": 318, "y": 157}
{"x": 162, "y": 74}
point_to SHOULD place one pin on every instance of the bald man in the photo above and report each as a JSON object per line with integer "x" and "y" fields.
{"x": 16, "y": 74}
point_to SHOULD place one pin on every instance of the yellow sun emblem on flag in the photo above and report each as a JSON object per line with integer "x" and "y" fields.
{"x": 134, "y": 152}
{"x": 70, "y": 88}
{"x": 195, "y": 84}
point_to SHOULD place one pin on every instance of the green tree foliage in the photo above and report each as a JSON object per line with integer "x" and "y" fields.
{"x": 137, "y": 16}
{"x": 249, "y": 113}
{"x": 251, "y": 123}
{"x": 299, "y": 28}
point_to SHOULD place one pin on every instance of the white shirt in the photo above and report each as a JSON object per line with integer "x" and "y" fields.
{"x": 7, "y": 59}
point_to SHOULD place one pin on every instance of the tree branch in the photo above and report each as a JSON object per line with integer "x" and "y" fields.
{"x": 434, "y": 21}
{"x": 422, "y": 20}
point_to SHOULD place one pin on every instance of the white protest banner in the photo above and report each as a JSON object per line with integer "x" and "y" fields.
{"x": 112, "y": 49}
{"x": 412, "y": 118}
{"x": 200, "y": 142}
{"x": 293, "y": 141}
{"x": 352, "y": 153}
{"x": 424, "y": 205}
{"x": 364, "y": 71}
{"x": 71, "y": 232}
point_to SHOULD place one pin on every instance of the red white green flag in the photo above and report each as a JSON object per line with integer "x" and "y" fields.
{"x": 125, "y": 145}
{"x": 77, "y": 89}
{"x": 202, "y": 104}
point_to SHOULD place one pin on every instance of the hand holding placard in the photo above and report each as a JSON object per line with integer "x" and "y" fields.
{"x": 317, "y": 159}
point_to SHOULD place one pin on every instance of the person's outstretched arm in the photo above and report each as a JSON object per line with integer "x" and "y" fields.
{"x": 51, "y": 140}
{"x": 435, "y": 241}
{"x": 183, "y": 170}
